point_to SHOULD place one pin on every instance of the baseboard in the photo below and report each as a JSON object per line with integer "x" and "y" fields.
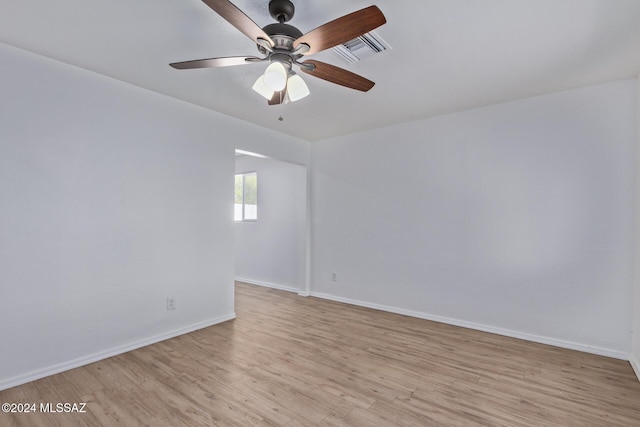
{"x": 484, "y": 328}
{"x": 267, "y": 285}
{"x": 635, "y": 364}
{"x": 65, "y": 366}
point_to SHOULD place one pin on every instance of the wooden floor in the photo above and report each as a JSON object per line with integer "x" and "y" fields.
{"x": 293, "y": 361}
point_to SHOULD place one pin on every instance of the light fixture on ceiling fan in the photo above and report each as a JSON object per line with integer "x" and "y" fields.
{"x": 284, "y": 45}
{"x": 277, "y": 80}
{"x": 280, "y": 81}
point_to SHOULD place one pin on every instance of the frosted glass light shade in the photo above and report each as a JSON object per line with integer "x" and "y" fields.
{"x": 275, "y": 76}
{"x": 260, "y": 87}
{"x": 296, "y": 88}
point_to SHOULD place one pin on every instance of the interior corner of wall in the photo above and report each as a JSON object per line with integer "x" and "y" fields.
{"x": 635, "y": 365}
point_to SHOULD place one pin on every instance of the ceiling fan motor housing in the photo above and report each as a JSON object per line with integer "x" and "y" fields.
{"x": 283, "y": 36}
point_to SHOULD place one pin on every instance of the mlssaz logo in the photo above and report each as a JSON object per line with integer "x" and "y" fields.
{"x": 64, "y": 407}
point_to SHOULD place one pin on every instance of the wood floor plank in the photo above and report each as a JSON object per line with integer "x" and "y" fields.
{"x": 297, "y": 362}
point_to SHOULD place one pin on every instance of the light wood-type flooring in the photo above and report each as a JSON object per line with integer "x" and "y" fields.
{"x": 293, "y": 361}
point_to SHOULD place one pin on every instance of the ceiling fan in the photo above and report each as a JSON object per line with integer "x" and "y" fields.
{"x": 283, "y": 46}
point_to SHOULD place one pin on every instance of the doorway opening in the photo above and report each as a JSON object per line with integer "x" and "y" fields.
{"x": 272, "y": 243}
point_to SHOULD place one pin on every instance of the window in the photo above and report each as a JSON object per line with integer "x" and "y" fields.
{"x": 246, "y": 202}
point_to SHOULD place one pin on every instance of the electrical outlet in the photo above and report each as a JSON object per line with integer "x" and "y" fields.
{"x": 334, "y": 276}
{"x": 171, "y": 303}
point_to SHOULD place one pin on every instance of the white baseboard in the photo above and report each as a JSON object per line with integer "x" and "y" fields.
{"x": 484, "y": 328}
{"x": 268, "y": 285}
{"x": 635, "y": 364}
{"x": 81, "y": 361}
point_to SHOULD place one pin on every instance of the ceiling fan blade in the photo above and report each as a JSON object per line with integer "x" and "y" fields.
{"x": 336, "y": 75}
{"x": 215, "y": 62}
{"x": 342, "y": 30}
{"x": 278, "y": 97}
{"x": 238, "y": 19}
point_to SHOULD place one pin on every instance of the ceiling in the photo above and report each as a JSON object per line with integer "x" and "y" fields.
{"x": 446, "y": 56}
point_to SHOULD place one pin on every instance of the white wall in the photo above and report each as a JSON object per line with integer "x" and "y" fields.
{"x": 635, "y": 348}
{"x": 112, "y": 199}
{"x": 514, "y": 218}
{"x": 271, "y": 250}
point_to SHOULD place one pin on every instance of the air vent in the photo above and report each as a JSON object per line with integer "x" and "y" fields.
{"x": 362, "y": 47}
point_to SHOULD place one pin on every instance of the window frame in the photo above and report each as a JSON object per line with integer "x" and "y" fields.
{"x": 244, "y": 176}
